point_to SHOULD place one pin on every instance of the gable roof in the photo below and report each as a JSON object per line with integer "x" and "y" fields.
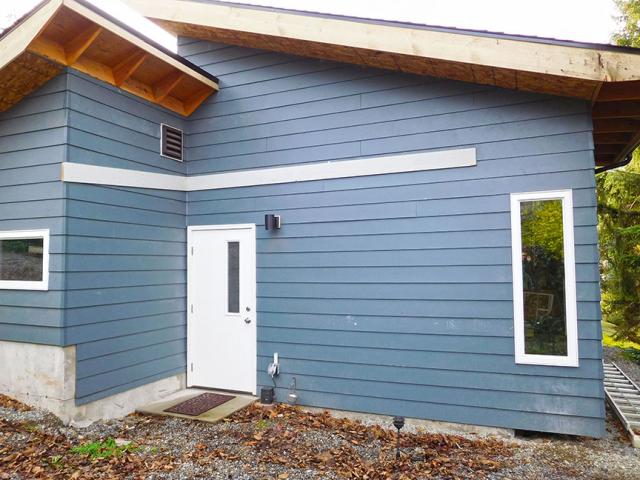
{"x": 606, "y": 75}
{"x": 74, "y": 33}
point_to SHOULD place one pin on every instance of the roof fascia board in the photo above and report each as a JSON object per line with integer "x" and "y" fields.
{"x": 18, "y": 39}
{"x": 99, "y": 19}
{"x": 566, "y": 61}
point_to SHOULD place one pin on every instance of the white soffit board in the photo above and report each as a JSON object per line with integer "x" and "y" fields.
{"x": 412, "y": 162}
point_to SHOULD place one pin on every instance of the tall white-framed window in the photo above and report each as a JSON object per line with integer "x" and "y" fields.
{"x": 544, "y": 279}
{"x": 24, "y": 260}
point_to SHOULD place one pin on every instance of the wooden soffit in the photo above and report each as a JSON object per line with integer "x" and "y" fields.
{"x": 606, "y": 76}
{"x": 73, "y": 33}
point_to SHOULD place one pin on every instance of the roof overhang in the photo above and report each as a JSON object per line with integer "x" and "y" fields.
{"x": 74, "y": 33}
{"x": 607, "y": 76}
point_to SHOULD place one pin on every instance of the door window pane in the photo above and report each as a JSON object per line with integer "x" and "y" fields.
{"x": 21, "y": 259}
{"x": 543, "y": 277}
{"x": 233, "y": 277}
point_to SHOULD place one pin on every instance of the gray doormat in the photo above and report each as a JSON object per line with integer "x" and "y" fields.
{"x": 198, "y": 405}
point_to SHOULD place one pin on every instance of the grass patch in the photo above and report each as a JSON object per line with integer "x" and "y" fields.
{"x": 630, "y": 350}
{"x": 608, "y": 328}
{"x": 609, "y": 341}
{"x": 56, "y": 461}
{"x": 263, "y": 424}
{"x": 105, "y": 449}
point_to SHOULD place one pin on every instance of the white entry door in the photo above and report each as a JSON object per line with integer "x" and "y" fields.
{"x": 221, "y": 326}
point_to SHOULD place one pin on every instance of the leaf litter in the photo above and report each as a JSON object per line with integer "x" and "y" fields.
{"x": 282, "y": 442}
{"x": 288, "y": 443}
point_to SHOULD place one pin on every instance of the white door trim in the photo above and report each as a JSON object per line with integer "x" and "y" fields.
{"x": 190, "y": 259}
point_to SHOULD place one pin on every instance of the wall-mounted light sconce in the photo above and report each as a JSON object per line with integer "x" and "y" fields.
{"x": 272, "y": 222}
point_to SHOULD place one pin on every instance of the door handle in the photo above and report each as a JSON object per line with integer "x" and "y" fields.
{"x": 247, "y": 320}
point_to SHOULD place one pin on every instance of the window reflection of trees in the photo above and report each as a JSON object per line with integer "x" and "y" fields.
{"x": 543, "y": 277}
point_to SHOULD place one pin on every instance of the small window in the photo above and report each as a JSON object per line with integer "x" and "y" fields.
{"x": 24, "y": 260}
{"x": 233, "y": 277}
{"x": 171, "y": 142}
{"x": 544, "y": 285}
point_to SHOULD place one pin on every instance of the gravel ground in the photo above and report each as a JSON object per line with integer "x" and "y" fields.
{"x": 631, "y": 369}
{"x": 559, "y": 457}
{"x": 175, "y": 449}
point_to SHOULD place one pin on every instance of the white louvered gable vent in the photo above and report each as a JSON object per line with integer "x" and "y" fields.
{"x": 171, "y": 142}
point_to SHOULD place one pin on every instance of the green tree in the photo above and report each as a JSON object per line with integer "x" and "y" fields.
{"x": 619, "y": 232}
{"x": 619, "y": 217}
{"x": 629, "y": 21}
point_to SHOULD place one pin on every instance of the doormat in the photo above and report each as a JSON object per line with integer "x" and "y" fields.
{"x": 198, "y": 405}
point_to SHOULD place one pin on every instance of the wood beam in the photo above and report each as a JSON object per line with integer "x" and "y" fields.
{"x": 596, "y": 64}
{"x": 612, "y": 138}
{"x": 616, "y": 125}
{"x": 629, "y": 109}
{"x": 619, "y": 91}
{"x": 128, "y": 66}
{"x": 165, "y": 86}
{"x": 75, "y": 47}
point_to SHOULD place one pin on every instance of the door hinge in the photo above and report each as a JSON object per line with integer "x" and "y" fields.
{"x": 191, "y": 250}
{"x": 192, "y": 366}
{"x": 192, "y": 308}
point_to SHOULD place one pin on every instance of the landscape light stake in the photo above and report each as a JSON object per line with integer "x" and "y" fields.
{"x": 398, "y": 422}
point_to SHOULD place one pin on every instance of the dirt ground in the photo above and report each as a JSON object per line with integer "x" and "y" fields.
{"x": 287, "y": 443}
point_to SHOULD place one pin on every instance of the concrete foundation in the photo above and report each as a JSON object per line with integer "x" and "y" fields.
{"x": 416, "y": 425}
{"x": 44, "y": 376}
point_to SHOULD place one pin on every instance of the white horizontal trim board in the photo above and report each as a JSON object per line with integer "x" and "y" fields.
{"x": 121, "y": 177}
{"x": 412, "y": 162}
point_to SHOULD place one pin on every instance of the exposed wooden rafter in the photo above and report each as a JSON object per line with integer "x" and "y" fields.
{"x": 75, "y": 47}
{"x": 166, "y": 85}
{"x": 612, "y": 138}
{"x": 128, "y": 66}
{"x": 621, "y": 109}
{"x": 620, "y": 91}
{"x": 72, "y": 33}
{"x": 616, "y": 122}
{"x": 616, "y": 125}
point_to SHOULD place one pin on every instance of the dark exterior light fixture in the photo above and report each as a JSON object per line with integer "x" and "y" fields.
{"x": 272, "y": 222}
{"x": 398, "y": 422}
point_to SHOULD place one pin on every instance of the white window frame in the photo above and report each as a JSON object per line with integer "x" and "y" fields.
{"x": 25, "y": 284}
{"x": 571, "y": 309}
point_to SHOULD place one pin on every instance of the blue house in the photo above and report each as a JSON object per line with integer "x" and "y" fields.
{"x": 404, "y": 215}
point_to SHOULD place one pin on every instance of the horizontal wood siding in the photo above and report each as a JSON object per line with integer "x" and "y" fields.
{"x": 125, "y": 265}
{"x": 392, "y": 293}
{"x": 111, "y": 128}
{"x": 388, "y": 294}
{"x": 32, "y": 145}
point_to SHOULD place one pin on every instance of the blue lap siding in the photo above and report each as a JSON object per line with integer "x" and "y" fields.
{"x": 387, "y": 294}
{"x": 392, "y": 294}
{"x": 32, "y": 145}
{"x": 118, "y": 270}
{"x": 126, "y": 269}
